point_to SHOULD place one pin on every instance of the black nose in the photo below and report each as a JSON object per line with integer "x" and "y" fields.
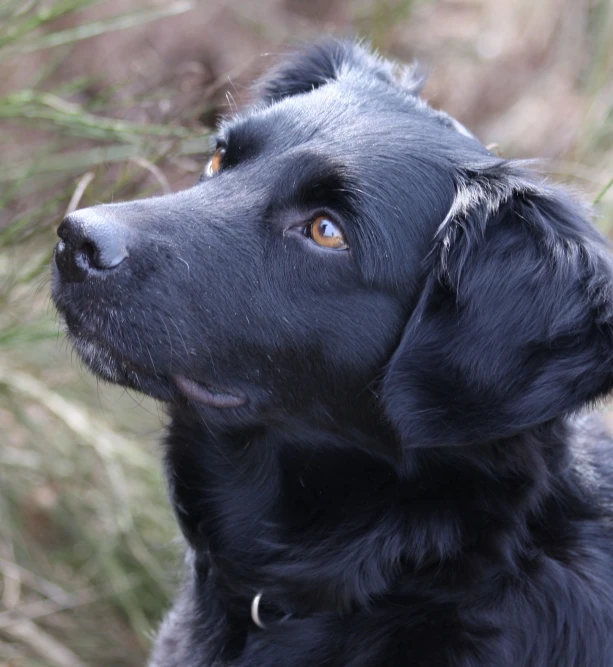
{"x": 92, "y": 240}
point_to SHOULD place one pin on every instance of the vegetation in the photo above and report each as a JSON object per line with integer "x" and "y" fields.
{"x": 88, "y": 548}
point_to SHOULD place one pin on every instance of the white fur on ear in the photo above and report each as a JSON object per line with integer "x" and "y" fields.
{"x": 487, "y": 187}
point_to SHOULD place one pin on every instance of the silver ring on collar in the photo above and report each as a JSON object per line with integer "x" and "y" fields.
{"x": 255, "y": 611}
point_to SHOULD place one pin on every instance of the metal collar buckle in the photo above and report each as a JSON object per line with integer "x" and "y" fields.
{"x": 256, "y": 616}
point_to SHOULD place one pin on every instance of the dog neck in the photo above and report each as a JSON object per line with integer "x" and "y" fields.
{"x": 322, "y": 527}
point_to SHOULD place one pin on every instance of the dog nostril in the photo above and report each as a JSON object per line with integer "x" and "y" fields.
{"x": 91, "y": 239}
{"x": 86, "y": 256}
{"x": 90, "y": 253}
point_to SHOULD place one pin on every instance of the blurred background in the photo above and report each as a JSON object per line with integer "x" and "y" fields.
{"x": 116, "y": 99}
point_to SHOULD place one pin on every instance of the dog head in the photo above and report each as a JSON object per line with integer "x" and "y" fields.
{"x": 348, "y": 252}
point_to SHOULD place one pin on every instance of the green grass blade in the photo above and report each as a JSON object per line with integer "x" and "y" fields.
{"x": 101, "y": 27}
{"x": 603, "y": 192}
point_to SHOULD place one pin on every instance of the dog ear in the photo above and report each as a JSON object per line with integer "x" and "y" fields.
{"x": 327, "y": 60}
{"x": 514, "y": 324}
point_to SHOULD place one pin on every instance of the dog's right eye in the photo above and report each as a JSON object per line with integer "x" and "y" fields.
{"x": 215, "y": 163}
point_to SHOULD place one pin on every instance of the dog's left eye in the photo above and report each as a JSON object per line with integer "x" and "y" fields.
{"x": 215, "y": 162}
{"x": 326, "y": 233}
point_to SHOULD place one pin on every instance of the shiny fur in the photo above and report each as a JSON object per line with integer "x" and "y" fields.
{"x": 407, "y": 480}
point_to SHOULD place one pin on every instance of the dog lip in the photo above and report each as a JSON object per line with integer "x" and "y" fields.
{"x": 196, "y": 391}
{"x": 205, "y": 395}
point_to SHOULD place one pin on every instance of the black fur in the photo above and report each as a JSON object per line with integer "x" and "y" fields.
{"x": 406, "y": 478}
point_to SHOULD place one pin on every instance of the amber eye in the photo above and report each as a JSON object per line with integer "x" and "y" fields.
{"x": 214, "y": 164}
{"x": 326, "y": 233}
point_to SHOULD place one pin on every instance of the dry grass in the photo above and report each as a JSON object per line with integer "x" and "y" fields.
{"x": 115, "y": 99}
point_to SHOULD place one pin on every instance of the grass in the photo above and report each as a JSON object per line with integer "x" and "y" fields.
{"x": 23, "y": 22}
{"x": 87, "y": 541}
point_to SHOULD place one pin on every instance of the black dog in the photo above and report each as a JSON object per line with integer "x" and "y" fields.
{"x": 370, "y": 333}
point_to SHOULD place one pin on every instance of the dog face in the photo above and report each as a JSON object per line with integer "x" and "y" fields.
{"x": 348, "y": 251}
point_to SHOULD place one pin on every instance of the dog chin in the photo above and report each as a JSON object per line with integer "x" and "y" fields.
{"x": 110, "y": 367}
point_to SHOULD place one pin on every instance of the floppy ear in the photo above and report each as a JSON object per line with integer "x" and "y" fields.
{"x": 514, "y": 324}
{"x": 327, "y": 60}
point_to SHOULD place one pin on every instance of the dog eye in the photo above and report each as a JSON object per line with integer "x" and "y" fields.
{"x": 326, "y": 233}
{"x": 215, "y": 162}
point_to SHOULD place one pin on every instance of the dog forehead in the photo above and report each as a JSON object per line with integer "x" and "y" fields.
{"x": 338, "y": 113}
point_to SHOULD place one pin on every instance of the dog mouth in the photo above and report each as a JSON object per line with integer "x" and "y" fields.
{"x": 114, "y": 367}
{"x": 207, "y": 394}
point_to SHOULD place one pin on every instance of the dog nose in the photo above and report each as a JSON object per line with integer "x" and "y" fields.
{"x": 91, "y": 240}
